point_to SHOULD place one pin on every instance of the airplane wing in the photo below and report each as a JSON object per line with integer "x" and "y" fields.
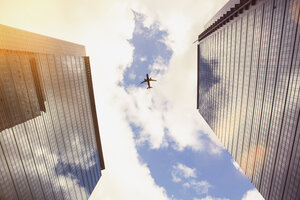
{"x": 151, "y": 79}
{"x": 143, "y": 81}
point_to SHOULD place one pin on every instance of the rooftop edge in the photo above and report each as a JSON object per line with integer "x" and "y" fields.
{"x": 229, "y": 11}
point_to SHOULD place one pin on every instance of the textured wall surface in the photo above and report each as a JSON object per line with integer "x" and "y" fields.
{"x": 249, "y": 82}
{"x": 48, "y": 141}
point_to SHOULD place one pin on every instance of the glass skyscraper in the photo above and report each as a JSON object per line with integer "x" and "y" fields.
{"x": 249, "y": 87}
{"x": 49, "y": 137}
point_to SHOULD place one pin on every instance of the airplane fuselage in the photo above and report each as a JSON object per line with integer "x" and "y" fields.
{"x": 148, "y": 81}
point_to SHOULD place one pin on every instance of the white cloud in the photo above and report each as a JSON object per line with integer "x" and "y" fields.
{"x": 211, "y": 198}
{"x": 200, "y": 187}
{"x": 186, "y": 175}
{"x": 175, "y": 178}
{"x": 159, "y": 65}
{"x": 183, "y": 24}
{"x": 252, "y": 195}
{"x": 124, "y": 177}
{"x": 171, "y": 104}
{"x": 180, "y": 171}
{"x": 143, "y": 59}
{"x": 132, "y": 76}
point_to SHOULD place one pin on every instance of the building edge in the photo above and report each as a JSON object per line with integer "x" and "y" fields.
{"x": 22, "y": 40}
{"x": 198, "y": 66}
{"x": 93, "y": 109}
{"x": 227, "y": 13}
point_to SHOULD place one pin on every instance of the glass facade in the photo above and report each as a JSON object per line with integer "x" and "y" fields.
{"x": 248, "y": 91}
{"x": 49, "y": 140}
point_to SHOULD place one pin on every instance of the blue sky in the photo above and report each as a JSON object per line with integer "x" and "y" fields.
{"x": 218, "y": 173}
{"x": 148, "y": 49}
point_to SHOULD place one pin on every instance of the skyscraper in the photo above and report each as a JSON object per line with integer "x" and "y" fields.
{"x": 249, "y": 87}
{"x": 49, "y": 137}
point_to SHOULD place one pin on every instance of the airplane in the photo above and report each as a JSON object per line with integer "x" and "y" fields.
{"x": 148, "y": 81}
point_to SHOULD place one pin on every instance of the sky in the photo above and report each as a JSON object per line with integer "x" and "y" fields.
{"x": 155, "y": 143}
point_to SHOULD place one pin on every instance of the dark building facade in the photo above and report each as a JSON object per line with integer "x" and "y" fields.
{"x": 249, "y": 87}
{"x": 49, "y": 137}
